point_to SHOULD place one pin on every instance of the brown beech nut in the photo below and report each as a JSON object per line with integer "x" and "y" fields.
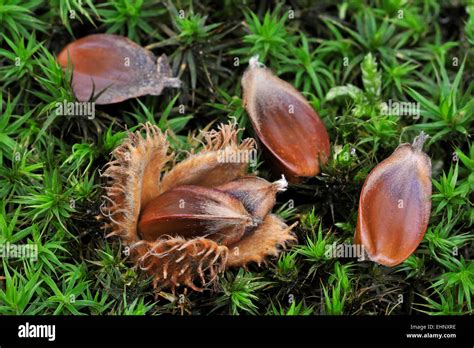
{"x": 110, "y": 68}
{"x": 286, "y": 124}
{"x": 256, "y": 194}
{"x": 395, "y": 205}
{"x": 189, "y": 211}
{"x": 186, "y": 222}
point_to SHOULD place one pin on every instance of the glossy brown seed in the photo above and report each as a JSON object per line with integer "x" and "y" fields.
{"x": 193, "y": 211}
{"x": 288, "y": 127}
{"x": 116, "y": 67}
{"x": 256, "y": 194}
{"x": 395, "y": 204}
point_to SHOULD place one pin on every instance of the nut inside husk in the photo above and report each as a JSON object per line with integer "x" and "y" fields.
{"x": 190, "y": 244}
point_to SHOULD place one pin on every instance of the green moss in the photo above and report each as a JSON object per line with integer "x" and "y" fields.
{"x": 348, "y": 59}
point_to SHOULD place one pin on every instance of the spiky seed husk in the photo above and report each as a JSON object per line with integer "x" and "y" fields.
{"x": 134, "y": 181}
{"x": 110, "y": 68}
{"x": 286, "y": 124}
{"x": 395, "y": 205}
{"x": 193, "y": 211}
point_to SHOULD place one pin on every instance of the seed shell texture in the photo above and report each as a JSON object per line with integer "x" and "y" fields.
{"x": 193, "y": 211}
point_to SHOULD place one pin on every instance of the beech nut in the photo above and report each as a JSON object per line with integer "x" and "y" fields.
{"x": 289, "y": 129}
{"x": 395, "y": 204}
{"x": 189, "y": 211}
{"x": 110, "y": 68}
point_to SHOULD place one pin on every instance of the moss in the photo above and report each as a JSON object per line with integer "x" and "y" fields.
{"x": 351, "y": 60}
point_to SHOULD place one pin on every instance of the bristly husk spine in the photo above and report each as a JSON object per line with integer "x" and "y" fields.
{"x": 177, "y": 261}
{"x": 272, "y": 236}
{"x": 224, "y": 136}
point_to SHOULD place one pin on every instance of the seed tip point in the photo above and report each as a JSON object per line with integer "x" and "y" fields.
{"x": 281, "y": 184}
{"x": 419, "y": 141}
{"x": 254, "y": 63}
{"x": 172, "y": 82}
